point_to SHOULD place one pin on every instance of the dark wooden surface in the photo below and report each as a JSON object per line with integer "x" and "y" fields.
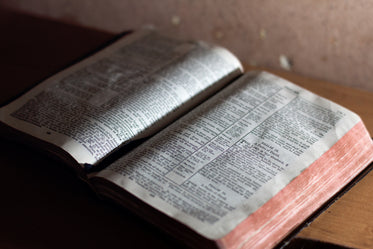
{"x": 44, "y": 205}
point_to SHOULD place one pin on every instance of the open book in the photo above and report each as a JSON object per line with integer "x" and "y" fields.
{"x": 175, "y": 132}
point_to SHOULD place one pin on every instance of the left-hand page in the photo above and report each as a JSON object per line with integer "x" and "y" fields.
{"x": 125, "y": 92}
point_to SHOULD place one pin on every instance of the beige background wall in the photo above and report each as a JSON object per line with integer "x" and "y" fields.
{"x": 325, "y": 39}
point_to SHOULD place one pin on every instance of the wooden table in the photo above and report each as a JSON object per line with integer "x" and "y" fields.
{"x": 44, "y": 205}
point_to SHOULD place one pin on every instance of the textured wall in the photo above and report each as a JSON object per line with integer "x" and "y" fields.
{"x": 324, "y": 39}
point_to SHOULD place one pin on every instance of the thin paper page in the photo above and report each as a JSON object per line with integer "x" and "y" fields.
{"x": 221, "y": 162}
{"x": 126, "y": 91}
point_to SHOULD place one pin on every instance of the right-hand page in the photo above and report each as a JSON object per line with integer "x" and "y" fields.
{"x": 215, "y": 166}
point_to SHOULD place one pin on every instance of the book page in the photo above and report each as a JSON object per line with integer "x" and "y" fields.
{"x": 215, "y": 166}
{"x": 127, "y": 91}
